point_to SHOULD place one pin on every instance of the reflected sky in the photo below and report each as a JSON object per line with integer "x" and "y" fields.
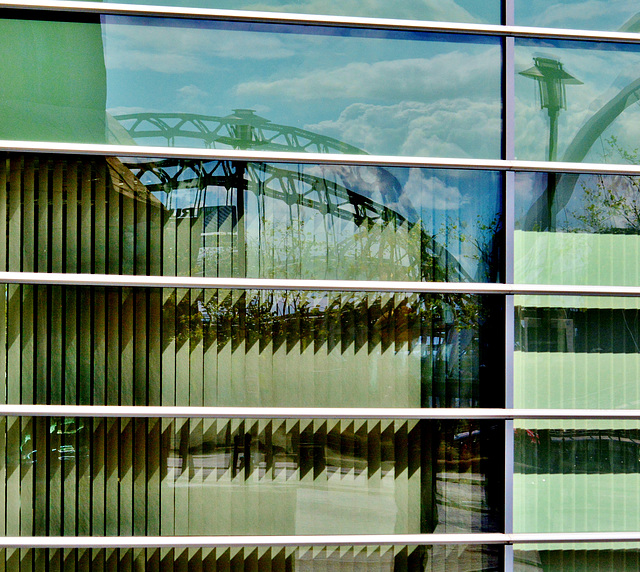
{"x": 385, "y": 93}
{"x": 602, "y": 117}
{"x": 621, "y": 15}
{"x": 439, "y": 10}
{"x": 399, "y": 93}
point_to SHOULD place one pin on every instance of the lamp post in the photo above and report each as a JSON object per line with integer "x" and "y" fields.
{"x": 552, "y": 79}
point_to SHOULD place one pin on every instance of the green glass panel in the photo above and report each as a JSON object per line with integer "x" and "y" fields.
{"x": 621, "y": 15}
{"x": 274, "y": 559}
{"x": 233, "y": 477}
{"x": 577, "y": 352}
{"x": 442, "y": 11}
{"x": 54, "y": 85}
{"x": 576, "y": 476}
{"x": 256, "y": 220}
{"x": 576, "y": 101}
{"x": 577, "y": 229}
{"x": 253, "y": 86}
{"x": 121, "y": 346}
{"x": 611, "y": 557}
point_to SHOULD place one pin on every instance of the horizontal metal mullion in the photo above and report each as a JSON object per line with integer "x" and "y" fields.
{"x": 322, "y": 20}
{"x": 137, "y": 281}
{"x": 312, "y": 412}
{"x": 252, "y": 541}
{"x": 488, "y": 538}
{"x": 155, "y": 152}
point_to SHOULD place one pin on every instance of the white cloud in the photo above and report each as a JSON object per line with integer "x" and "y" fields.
{"x": 185, "y": 49}
{"x": 411, "y": 79}
{"x": 192, "y": 99}
{"x": 446, "y": 128}
{"x": 431, "y": 193}
{"x": 439, "y": 10}
{"x": 587, "y": 13}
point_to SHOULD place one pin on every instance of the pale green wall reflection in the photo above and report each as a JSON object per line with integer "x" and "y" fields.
{"x": 438, "y": 10}
{"x": 575, "y": 352}
{"x": 577, "y": 557}
{"x": 576, "y": 476}
{"x": 599, "y": 120}
{"x": 376, "y": 92}
{"x": 618, "y": 15}
{"x": 54, "y": 82}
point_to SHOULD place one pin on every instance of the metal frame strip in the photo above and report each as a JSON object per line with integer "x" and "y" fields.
{"x": 321, "y": 20}
{"x": 138, "y": 281}
{"x": 318, "y": 540}
{"x": 155, "y": 152}
{"x": 142, "y": 411}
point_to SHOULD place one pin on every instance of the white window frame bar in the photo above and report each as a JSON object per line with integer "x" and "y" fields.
{"x": 139, "y": 281}
{"x": 488, "y": 538}
{"x": 180, "y": 412}
{"x": 70, "y": 6}
{"x": 156, "y": 152}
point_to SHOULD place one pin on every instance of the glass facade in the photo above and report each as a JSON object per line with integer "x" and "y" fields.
{"x": 285, "y": 288}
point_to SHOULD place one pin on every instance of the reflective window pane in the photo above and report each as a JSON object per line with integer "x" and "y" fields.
{"x": 241, "y": 477}
{"x": 289, "y": 88}
{"x": 577, "y": 229}
{"x": 577, "y": 352}
{"x": 577, "y": 476}
{"x": 433, "y": 558}
{"x": 257, "y": 220}
{"x": 618, "y": 557}
{"x": 620, "y": 15}
{"x": 576, "y": 101}
{"x": 122, "y": 346}
{"x": 443, "y": 11}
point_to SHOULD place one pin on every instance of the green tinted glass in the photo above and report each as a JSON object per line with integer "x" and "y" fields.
{"x": 121, "y": 346}
{"x": 576, "y": 476}
{"x": 577, "y": 229}
{"x": 276, "y": 559}
{"x": 613, "y": 557}
{"x": 289, "y": 88}
{"x": 577, "y": 352}
{"x": 240, "y": 477}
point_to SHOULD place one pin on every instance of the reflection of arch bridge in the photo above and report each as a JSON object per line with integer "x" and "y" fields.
{"x": 241, "y": 130}
{"x": 283, "y": 182}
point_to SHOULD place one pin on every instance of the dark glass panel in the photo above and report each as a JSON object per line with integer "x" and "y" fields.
{"x": 141, "y": 346}
{"x": 256, "y": 220}
{"x": 575, "y": 101}
{"x": 220, "y": 477}
{"x": 197, "y": 83}
{"x": 577, "y": 476}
